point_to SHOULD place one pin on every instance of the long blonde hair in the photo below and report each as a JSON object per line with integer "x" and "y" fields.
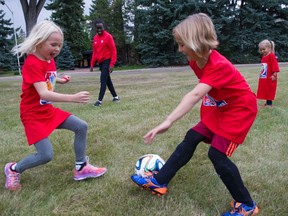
{"x": 267, "y": 43}
{"x": 39, "y": 33}
{"x": 198, "y": 33}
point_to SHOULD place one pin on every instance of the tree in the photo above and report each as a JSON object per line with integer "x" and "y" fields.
{"x": 117, "y": 30}
{"x": 154, "y": 21}
{"x": 64, "y": 60}
{"x": 240, "y": 26}
{"x": 7, "y": 61}
{"x": 111, "y": 13}
{"x": 246, "y": 23}
{"x": 31, "y": 10}
{"x": 99, "y": 9}
{"x": 69, "y": 15}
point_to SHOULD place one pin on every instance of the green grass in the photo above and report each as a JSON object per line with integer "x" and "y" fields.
{"x": 129, "y": 67}
{"x": 115, "y": 140}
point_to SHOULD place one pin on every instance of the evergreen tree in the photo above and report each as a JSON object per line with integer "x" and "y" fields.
{"x": 7, "y": 60}
{"x": 69, "y": 15}
{"x": 64, "y": 60}
{"x": 240, "y": 26}
{"x": 117, "y": 30}
{"x": 111, "y": 13}
{"x": 21, "y": 36}
{"x": 99, "y": 9}
{"x": 154, "y": 21}
{"x": 129, "y": 31}
{"x": 246, "y": 23}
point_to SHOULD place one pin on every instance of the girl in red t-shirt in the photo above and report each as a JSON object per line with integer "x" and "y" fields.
{"x": 268, "y": 75}
{"x": 228, "y": 111}
{"x": 39, "y": 117}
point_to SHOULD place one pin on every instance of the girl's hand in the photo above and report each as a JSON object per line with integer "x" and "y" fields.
{"x": 273, "y": 77}
{"x": 163, "y": 127}
{"x": 64, "y": 79}
{"x": 81, "y": 97}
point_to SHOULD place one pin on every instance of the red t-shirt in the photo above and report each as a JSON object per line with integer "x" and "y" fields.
{"x": 39, "y": 117}
{"x": 267, "y": 87}
{"x": 103, "y": 48}
{"x": 229, "y": 109}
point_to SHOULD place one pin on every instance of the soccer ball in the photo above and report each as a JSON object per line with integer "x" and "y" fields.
{"x": 148, "y": 164}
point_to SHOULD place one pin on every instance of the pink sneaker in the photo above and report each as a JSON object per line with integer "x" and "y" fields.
{"x": 89, "y": 171}
{"x": 12, "y": 178}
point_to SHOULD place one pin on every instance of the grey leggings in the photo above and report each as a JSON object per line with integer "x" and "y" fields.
{"x": 44, "y": 148}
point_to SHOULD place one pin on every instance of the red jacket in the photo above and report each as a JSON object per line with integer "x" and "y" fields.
{"x": 103, "y": 48}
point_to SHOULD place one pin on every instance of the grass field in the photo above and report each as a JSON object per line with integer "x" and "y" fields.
{"x": 115, "y": 140}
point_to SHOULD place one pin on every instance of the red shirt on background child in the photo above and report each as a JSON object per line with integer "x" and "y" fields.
{"x": 267, "y": 86}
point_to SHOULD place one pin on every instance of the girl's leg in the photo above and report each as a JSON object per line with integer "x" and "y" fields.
{"x": 269, "y": 102}
{"x": 229, "y": 174}
{"x": 43, "y": 155}
{"x": 182, "y": 154}
{"x": 79, "y": 127}
{"x": 13, "y": 170}
{"x": 83, "y": 169}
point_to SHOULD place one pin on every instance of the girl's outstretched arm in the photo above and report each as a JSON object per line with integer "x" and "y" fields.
{"x": 186, "y": 104}
{"x": 45, "y": 94}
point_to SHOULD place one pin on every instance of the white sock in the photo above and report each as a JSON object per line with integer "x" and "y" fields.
{"x": 79, "y": 165}
{"x": 13, "y": 167}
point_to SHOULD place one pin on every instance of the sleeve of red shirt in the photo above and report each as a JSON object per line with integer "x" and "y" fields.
{"x": 33, "y": 72}
{"x": 274, "y": 64}
{"x": 113, "y": 50}
{"x": 92, "y": 62}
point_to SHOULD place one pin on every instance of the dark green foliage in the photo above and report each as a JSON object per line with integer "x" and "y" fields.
{"x": 100, "y": 9}
{"x": 153, "y": 21}
{"x": 111, "y": 13}
{"x": 7, "y": 60}
{"x": 69, "y": 15}
{"x": 117, "y": 30}
{"x": 142, "y": 29}
{"x": 64, "y": 60}
{"x": 240, "y": 26}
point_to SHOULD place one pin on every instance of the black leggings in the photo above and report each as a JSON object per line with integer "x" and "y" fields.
{"x": 225, "y": 168}
{"x": 269, "y": 102}
{"x": 105, "y": 80}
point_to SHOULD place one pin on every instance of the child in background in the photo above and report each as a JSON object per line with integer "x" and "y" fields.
{"x": 228, "y": 111}
{"x": 268, "y": 76}
{"x": 39, "y": 117}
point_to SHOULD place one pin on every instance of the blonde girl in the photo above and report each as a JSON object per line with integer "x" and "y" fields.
{"x": 38, "y": 115}
{"x": 267, "y": 84}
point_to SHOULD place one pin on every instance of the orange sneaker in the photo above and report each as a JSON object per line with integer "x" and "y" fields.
{"x": 150, "y": 183}
{"x": 12, "y": 178}
{"x": 240, "y": 209}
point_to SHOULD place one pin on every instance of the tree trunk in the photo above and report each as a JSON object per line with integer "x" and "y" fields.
{"x": 31, "y": 12}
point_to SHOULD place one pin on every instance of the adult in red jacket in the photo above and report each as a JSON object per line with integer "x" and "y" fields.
{"x": 105, "y": 53}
